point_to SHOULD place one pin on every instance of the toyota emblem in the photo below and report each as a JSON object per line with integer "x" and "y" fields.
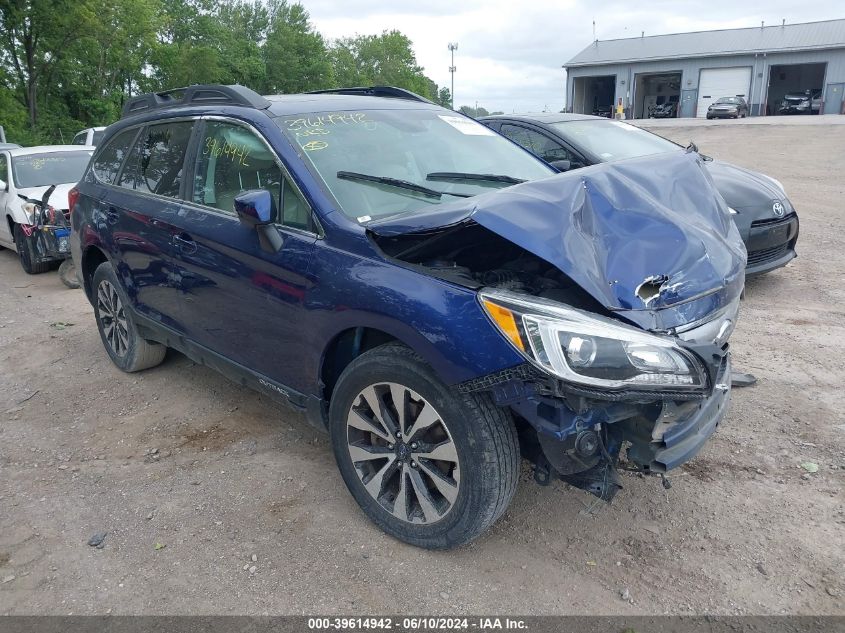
{"x": 778, "y": 209}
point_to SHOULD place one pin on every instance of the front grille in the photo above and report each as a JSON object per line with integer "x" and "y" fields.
{"x": 773, "y": 221}
{"x": 767, "y": 254}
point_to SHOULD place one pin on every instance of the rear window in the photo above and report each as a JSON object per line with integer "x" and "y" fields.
{"x": 49, "y": 168}
{"x": 156, "y": 160}
{"x": 109, "y": 160}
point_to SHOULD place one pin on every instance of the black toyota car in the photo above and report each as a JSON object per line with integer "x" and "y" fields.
{"x": 765, "y": 217}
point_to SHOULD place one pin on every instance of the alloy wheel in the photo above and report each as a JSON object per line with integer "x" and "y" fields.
{"x": 113, "y": 318}
{"x": 403, "y": 453}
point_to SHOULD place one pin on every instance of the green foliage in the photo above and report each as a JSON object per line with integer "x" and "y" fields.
{"x": 70, "y": 64}
{"x": 475, "y": 112}
{"x": 384, "y": 60}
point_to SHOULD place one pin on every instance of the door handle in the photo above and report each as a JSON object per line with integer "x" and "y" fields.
{"x": 185, "y": 243}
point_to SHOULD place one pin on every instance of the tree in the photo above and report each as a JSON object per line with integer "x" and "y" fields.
{"x": 444, "y": 98}
{"x": 295, "y": 53}
{"x": 36, "y": 34}
{"x": 387, "y": 60}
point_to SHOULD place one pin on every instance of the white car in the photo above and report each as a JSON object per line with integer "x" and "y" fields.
{"x": 30, "y": 171}
{"x": 89, "y": 136}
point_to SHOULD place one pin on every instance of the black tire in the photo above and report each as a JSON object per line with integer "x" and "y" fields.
{"x": 116, "y": 325}
{"x": 67, "y": 274}
{"x": 27, "y": 253}
{"x": 482, "y": 435}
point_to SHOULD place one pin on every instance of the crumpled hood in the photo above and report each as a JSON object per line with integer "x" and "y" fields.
{"x": 58, "y": 199}
{"x": 647, "y": 237}
{"x": 742, "y": 188}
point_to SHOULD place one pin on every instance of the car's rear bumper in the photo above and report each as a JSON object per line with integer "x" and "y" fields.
{"x": 771, "y": 244}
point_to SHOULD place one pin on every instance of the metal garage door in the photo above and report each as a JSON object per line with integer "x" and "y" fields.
{"x": 721, "y": 82}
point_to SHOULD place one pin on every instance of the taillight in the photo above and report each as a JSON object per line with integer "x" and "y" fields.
{"x": 72, "y": 197}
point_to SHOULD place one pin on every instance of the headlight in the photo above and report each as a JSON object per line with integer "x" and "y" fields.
{"x": 587, "y": 349}
{"x": 31, "y": 211}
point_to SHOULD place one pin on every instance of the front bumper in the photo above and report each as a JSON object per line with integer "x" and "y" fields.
{"x": 682, "y": 429}
{"x": 771, "y": 244}
{"x": 723, "y": 114}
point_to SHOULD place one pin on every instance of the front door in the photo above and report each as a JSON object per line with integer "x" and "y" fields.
{"x": 239, "y": 300}
{"x": 5, "y": 202}
{"x": 833, "y": 99}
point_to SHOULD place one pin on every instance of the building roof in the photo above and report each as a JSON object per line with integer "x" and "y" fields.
{"x": 768, "y": 39}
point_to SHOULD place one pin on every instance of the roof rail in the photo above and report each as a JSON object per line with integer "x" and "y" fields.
{"x": 198, "y": 94}
{"x": 374, "y": 91}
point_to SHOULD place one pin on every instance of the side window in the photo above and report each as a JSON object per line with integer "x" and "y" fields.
{"x": 79, "y": 139}
{"x": 295, "y": 211}
{"x": 108, "y": 161}
{"x": 539, "y": 144}
{"x": 155, "y": 163}
{"x": 231, "y": 159}
{"x": 4, "y": 176}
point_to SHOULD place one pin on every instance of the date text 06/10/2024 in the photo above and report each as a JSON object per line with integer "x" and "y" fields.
{"x": 416, "y": 624}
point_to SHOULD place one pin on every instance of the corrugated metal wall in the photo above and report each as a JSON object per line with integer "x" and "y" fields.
{"x": 689, "y": 69}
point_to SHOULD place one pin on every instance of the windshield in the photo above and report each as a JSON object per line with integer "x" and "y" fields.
{"x": 412, "y": 159}
{"x": 612, "y": 140}
{"x": 730, "y": 100}
{"x": 56, "y": 168}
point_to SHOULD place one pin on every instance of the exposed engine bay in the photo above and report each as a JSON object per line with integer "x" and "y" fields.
{"x": 472, "y": 256}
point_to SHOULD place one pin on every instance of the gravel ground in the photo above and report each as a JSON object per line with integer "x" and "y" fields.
{"x": 213, "y": 501}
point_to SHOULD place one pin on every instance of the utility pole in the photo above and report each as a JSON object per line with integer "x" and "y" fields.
{"x": 453, "y": 46}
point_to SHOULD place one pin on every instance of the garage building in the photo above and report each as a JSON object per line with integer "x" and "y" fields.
{"x": 685, "y": 72}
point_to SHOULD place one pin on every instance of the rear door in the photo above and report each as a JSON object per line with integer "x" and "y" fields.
{"x": 239, "y": 300}
{"x": 144, "y": 212}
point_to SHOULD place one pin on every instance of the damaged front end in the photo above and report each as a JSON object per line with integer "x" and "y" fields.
{"x": 619, "y": 284}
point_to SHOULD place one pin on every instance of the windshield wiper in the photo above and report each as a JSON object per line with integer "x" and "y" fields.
{"x": 399, "y": 183}
{"x": 458, "y": 175}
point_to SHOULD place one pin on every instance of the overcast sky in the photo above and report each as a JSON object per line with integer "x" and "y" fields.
{"x": 510, "y": 53}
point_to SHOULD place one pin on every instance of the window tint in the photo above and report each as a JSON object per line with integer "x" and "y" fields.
{"x": 108, "y": 161}
{"x": 539, "y": 144}
{"x": 155, "y": 163}
{"x": 230, "y": 160}
{"x": 98, "y": 136}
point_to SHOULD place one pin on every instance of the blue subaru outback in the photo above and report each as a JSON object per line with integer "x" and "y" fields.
{"x": 439, "y": 300}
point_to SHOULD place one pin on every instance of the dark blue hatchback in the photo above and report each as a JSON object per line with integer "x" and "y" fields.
{"x": 438, "y": 299}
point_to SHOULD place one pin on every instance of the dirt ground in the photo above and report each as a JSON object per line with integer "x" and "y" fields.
{"x": 192, "y": 476}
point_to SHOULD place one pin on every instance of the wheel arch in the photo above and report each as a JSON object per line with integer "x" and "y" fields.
{"x": 92, "y": 257}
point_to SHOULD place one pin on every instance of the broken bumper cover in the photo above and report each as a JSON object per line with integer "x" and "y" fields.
{"x": 682, "y": 430}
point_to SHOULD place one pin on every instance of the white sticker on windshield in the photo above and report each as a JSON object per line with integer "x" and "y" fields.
{"x": 363, "y": 218}
{"x": 467, "y": 126}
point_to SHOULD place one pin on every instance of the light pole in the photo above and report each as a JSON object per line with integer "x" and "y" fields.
{"x": 453, "y": 46}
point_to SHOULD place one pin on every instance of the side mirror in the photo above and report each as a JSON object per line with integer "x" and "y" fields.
{"x": 257, "y": 209}
{"x": 561, "y": 165}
